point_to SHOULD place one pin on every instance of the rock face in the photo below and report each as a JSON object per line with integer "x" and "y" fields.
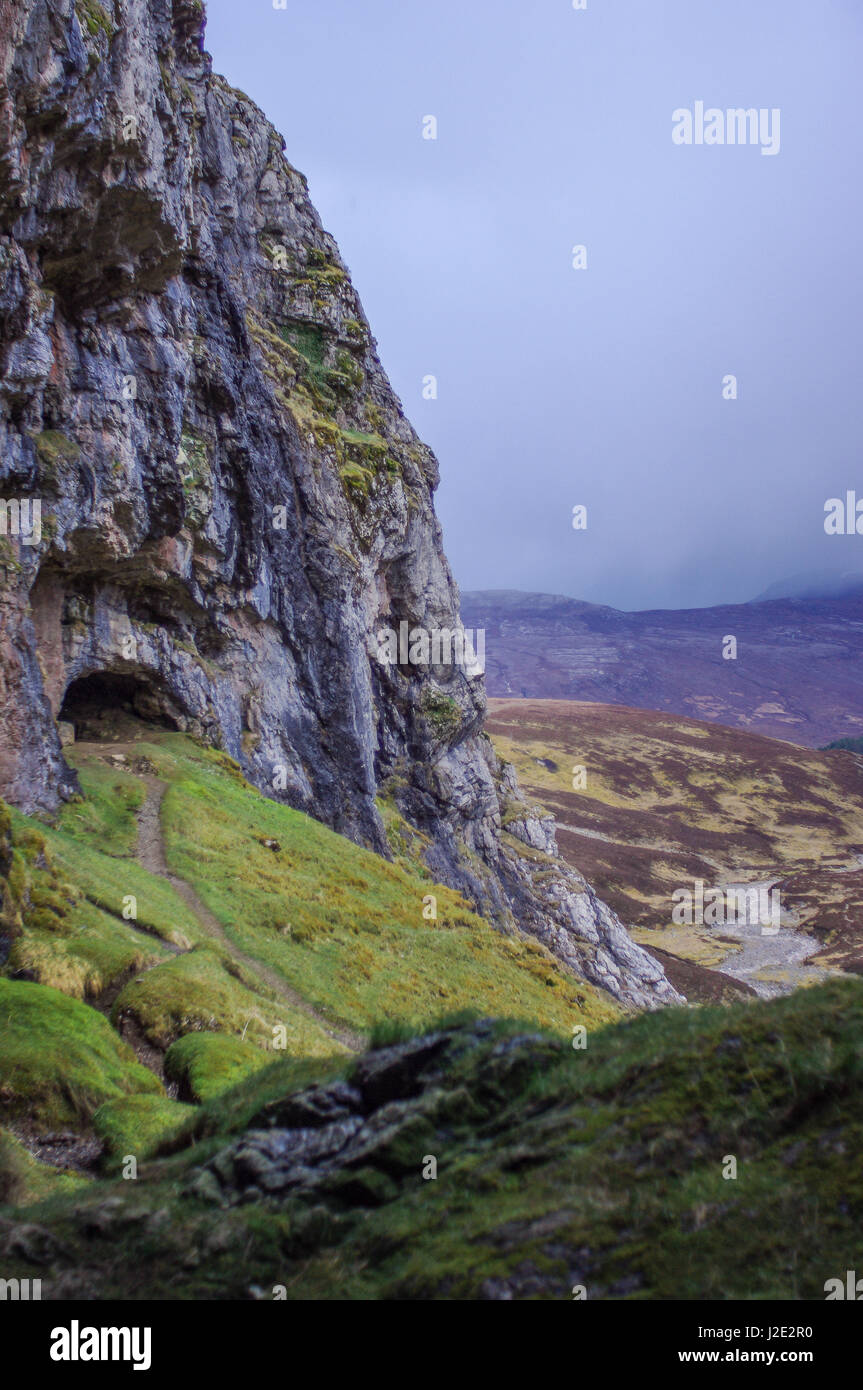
{"x": 214, "y": 501}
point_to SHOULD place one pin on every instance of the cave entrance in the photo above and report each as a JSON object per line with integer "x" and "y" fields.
{"x": 106, "y": 704}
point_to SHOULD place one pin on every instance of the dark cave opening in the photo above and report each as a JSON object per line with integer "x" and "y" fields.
{"x": 97, "y": 703}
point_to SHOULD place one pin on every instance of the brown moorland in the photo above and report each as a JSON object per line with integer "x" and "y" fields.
{"x": 669, "y": 800}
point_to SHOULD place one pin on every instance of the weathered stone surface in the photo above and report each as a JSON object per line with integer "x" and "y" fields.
{"x": 319, "y": 1105}
{"x": 233, "y": 503}
{"x": 390, "y": 1114}
{"x": 279, "y": 1158}
{"x": 396, "y": 1071}
{"x": 400, "y": 1107}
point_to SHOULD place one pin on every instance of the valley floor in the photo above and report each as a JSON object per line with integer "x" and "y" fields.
{"x": 649, "y": 804}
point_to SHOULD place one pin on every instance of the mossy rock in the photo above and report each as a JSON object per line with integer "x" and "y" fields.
{"x": 442, "y": 712}
{"x": 603, "y": 1167}
{"x": 356, "y": 479}
{"x": 55, "y": 450}
{"x": 94, "y": 19}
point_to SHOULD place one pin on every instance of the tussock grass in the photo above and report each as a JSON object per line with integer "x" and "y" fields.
{"x": 198, "y": 993}
{"x": 206, "y": 1064}
{"x": 59, "y": 1059}
{"x": 135, "y": 1125}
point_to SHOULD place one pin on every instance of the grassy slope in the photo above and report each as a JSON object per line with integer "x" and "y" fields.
{"x": 344, "y": 927}
{"x": 341, "y": 926}
{"x": 557, "y": 1167}
{"x": 600, "y": 1167}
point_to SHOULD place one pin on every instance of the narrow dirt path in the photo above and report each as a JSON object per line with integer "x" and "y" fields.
{"x": 81, "y": 1152}
{"x": 151, "y": 856}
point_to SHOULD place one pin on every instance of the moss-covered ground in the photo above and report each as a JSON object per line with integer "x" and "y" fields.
{"x": 604, "y": 1169}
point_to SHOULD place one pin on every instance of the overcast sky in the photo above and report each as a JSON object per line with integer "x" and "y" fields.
{"x": 602, "y": 386}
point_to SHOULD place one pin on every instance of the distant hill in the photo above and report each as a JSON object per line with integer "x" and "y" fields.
{"x": 817, "y": 584}
{"x": 798, "y": 673}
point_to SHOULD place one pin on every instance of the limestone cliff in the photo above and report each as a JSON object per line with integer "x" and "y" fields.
{"x": 231, "y": 502}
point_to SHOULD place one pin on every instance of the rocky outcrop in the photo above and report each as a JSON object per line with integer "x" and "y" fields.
{"x": 355, "y": 1141}
{"x": 218, "y": 501}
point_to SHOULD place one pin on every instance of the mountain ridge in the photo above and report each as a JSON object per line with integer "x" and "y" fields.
{"x": 797, "y": 674}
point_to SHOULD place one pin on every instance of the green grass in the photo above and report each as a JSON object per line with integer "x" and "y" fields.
{"x": 197, "y": 992}
{"x": 55, "y": 449}
{"x": 609, "y": 1162}
{"x": 65, "y": 897}
{"x": 60, "y": 1059}
{"x": 56, "y": 935}
{"x": 355, "y": 476}
{"x": 204, "y": 1065}
{"x": 556, "y": 1167}
{"x": 89, "y": 838}
{"x": 442, "y": 712}
{"x": 106, "y": 883}
{"x": 309, "y": 341}
{"x": 136, "y": 1125}
{"x": 232, "y": 1110}
{"x": 322, "y": 917}
{"x": 84, "y": 953}
{"x": 94, "y": 18}
{"x": 104, "y": 818}
{"x": 342, "y": 926}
